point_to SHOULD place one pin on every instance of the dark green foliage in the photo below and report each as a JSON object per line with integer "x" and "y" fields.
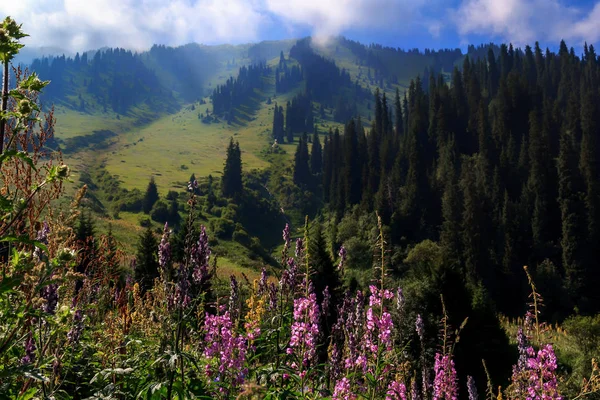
{"x": 146, "y": 262}
{"x": 500, "y": 166}
{"x": 235, "y": 92}
{"x": 316, "y": 155}
{"x": 278, "y": 122}
{"x": 231, "y": 182}
{"x": 150, "y": 197}
{"x": 302, "y": 176}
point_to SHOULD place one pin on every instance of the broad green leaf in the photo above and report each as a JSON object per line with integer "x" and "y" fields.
{"x": 17, "y": 154}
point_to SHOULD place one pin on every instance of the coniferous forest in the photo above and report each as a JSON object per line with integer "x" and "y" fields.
{"x": 413, "y": 226}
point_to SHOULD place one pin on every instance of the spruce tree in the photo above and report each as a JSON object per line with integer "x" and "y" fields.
{"x": 302, "y": 175}
{"x": 316, "y": 157}
{"x": 150, "y": 197}
{"x": 146, "y": 266}
{"x": 572, "y": 205}
{"x": 231, "y": 182}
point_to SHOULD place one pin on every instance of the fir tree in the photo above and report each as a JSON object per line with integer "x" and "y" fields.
{"x": 316, "y": 158}
{"x": 146, "y": 266}
{"x": 231, "y": 182}
{"x": 302, "y": 175}
{"x": 150, "y": 197}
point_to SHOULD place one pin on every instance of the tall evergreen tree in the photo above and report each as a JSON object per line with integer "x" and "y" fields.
{"x": 231, "y": 182}
{"x": 316, "y": 157}
{"x": 302, "y": 176}
{"x": 146, "y": 265}
{"x": 150, "y": 197}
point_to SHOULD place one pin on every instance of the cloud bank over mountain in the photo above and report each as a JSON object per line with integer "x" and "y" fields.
{"x": 76, "y": 25}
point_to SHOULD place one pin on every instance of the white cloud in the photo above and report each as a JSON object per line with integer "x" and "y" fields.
{"x": 137, "y": 24}
{"x": 525, "y": 21}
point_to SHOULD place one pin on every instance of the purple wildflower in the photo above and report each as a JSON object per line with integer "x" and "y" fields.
{"x": 420, "y": 327}
{"x": 543, "y": 384}
{"x": 400, "y": 299}
{"x": 200, "y": 257}
{"x": 181, "y": 298}
{"x": 396, "y": 391}
{"x": 29, "y": 350}
{"x": 299, "y": 248}
{"x": 326, "y": 301}
{"x": 272, "y": 296}
{"x": 342, "y": 253}
{"x": 472, "y": 388}
{"x": 289, "y": 276}
{"x": 343, "y": 391}
{"x": 305, "y": 328}
{"x": 286, "y": 235}
{"x": 164, "y": 249}
{"x": 50, "y": 294}
{"x": 262, "y": 283}
{"x": 42, "y": 237}
{"x": 226, "y": 346}
{"x": 445, "y": 385}
{"x": 75, "y": 333}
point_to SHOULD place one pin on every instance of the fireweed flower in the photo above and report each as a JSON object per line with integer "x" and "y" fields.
{"x": 29, "y": 350}
{"x": 305, "y": 328}
{"x": 472, "y": 388}
{"x": 396, "y": 391}
{"x": 343, "y": 390}
{"x": 543, "y": 384}
{"x": 227, "y": 347}
{"x": 445, "y": 386}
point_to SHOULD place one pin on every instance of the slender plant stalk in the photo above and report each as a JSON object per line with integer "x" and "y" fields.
{"x": 4, "y": 105}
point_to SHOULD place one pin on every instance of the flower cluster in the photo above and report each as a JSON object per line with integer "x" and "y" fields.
{"x": 445, "y": 384}
{"x": 227, "y": 347}
{"x": 396, "y": 391}
{"x": 164, "y": 249}
{"x": 543, "y": 383}
{"x": 29, "y": 350}
{"x": 200, "y": 256}
{"x": 343, "y": 390}
{"x": 305, "y": 328}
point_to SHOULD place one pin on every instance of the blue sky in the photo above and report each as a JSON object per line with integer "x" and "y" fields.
{"x": 77, "y": 25}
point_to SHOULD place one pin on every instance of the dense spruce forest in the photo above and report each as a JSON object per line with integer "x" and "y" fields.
{"x": 375, "y": 248}
{"x": 498, "y": 165}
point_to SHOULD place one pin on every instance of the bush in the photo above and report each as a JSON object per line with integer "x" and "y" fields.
{"x": 222, "y": 228}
